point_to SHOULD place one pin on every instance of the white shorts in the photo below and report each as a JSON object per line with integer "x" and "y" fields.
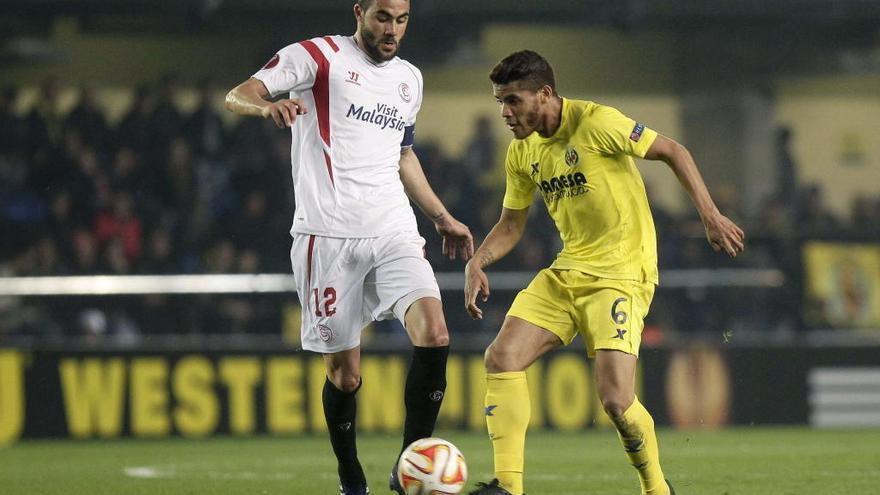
{"x": 344, "y": 284}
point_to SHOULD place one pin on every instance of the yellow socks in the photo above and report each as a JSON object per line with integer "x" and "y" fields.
{"x": 636, "y": 432}
{"x": 507, "y": 417}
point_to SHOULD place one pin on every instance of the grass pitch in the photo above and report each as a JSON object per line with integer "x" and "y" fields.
{"x": 740, "y": 461}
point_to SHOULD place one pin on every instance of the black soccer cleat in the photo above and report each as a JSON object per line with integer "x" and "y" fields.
{"x": 671, "y": 490}
{"x": 344, "y": 490}
{"x": 394, "y": 483}
{"x": 491, "y": 488}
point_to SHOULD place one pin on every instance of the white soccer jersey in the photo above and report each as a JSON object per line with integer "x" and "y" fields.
{"x": 346, "y": 149}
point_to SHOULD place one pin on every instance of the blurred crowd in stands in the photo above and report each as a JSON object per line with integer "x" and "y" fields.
{"x": 162, "y": 191}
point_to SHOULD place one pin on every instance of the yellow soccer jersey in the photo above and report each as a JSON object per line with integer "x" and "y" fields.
{"x": 592, "y": 189}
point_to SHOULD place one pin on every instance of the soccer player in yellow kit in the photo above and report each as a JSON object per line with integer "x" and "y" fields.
{"x": 579, "y": 156}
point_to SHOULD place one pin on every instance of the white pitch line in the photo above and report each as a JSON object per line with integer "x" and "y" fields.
{"x": 156, "y": 472}
{"x": 147, "y": 472}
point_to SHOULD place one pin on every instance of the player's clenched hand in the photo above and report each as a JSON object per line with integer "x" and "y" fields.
{"x": 284, "y": 112}
{"x": 722, "y": 233}
{"x": 475, "y": 283}
{"x": 457, "y": 238}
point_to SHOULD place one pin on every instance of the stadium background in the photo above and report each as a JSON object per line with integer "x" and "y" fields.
{"x": 117, "y": 158}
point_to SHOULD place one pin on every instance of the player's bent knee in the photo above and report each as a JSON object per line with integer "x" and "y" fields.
{"x": 346, "y": 382}
{"x": 433, "y": 340}
{"x": 499, "y": 359}
{"x": 615, "y": 405}
{"x": 437, "y": 335}
{"x": 439, "y": 340}
{"x": 431, "y": 334}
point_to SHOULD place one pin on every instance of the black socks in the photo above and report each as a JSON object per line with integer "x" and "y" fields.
{"x": 340, "y": 411}
{"x": 425, "y": 387}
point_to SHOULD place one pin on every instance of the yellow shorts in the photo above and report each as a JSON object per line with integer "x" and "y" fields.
{"x": 609, "y": 313}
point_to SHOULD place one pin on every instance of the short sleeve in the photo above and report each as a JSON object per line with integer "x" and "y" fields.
{"x": 520, "y": 189}
{"x": 416, "y": 94}
{"x": 292, "y": 69}
{"x": 612, "y": 132}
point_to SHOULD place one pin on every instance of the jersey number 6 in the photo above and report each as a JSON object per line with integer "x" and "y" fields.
{"x": 619, "y": 317}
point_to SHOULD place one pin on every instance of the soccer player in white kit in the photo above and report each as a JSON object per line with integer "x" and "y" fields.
{"x": 357, "y": 256}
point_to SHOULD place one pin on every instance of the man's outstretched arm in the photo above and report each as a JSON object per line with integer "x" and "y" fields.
{"x": 721, "y": 232}
{"x": 457, "y": 237}
{"x": 501, "y": 239}
{"x": 251, "y": 98}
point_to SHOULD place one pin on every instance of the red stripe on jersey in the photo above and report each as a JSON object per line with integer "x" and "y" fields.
{"x": 321, "y": 91}
{"x": 332, "y": 43}
{"x": 329, "y": 168}
{"x": 311, "y": 248}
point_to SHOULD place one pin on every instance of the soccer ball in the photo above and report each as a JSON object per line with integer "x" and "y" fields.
{"x": 432, "y": 466}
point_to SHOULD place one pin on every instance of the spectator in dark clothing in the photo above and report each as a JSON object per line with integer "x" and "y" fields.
{"x": 84, "y": 177}
{"x": 127, "y": 174}
{"x": 479, "y": 156}
{"x": 60, "y": 223}
{"x": 89, "y": 120}
{"x": 114, "y": 259}
{"x": 44, "y": 121}
{"x": 250, "y": 142}
{"x": 14, "y": 130}
{"x": 135, "y": 128}
{"x": 204, "y": 128}
{"x": 814, "y": 218}
{"x": 159, "y": 256}
{"x": 166, "y": 122}
{"x": 221, "y": 257}
{"x": 864, "y": 215}
{"x": 43, "y": 136}
{"x": 85, "y": 253}
{"x": 179, "y": 193}
{"x": 255, "y": 230}
{"x": 46, "y": 258}
{"x": 786, "y": 168}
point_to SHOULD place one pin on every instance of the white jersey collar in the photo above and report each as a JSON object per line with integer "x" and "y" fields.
{"x": 366, "y": 57}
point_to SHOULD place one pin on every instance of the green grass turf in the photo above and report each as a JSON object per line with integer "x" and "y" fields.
{"x": 740, "y": 461}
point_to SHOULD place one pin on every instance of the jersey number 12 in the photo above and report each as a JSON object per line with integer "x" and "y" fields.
{"x": 329, "y": 302}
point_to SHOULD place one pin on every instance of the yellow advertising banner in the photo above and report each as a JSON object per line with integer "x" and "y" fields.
{"x": 200, "y": 394}
{"x": 842, "y": 283}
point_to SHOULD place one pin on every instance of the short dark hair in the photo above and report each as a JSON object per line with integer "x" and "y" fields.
{"x": 526, "y": 66}
{"x": 365, "y": 4}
